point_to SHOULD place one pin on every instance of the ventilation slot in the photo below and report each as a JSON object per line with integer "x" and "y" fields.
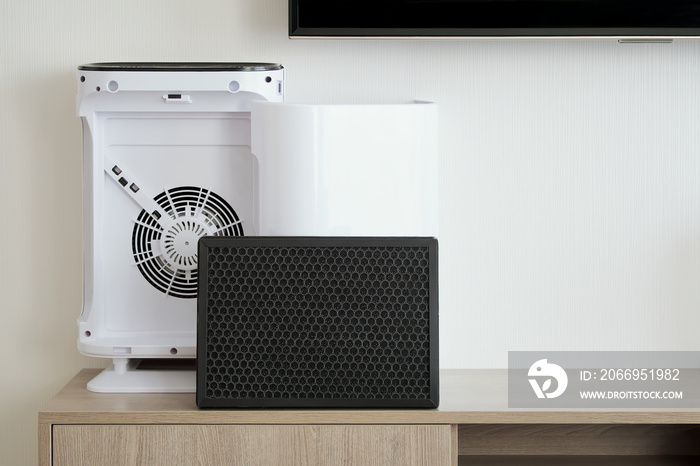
{"x": 166, "y": 255}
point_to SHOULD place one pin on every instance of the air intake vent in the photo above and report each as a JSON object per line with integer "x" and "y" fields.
{"x": 317, "y": 322}
{"x": 165, "y": 250}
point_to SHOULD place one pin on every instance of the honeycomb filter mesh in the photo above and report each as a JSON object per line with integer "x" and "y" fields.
{"x": 316, "y": 322}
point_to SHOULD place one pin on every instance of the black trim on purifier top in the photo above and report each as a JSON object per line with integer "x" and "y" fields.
{"x": 317, "y": 322}
{"x": 172, "y": 66}
{"x": 493, "y": 18}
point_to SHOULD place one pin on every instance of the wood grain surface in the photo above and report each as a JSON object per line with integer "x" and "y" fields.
{"x": 251, "y": 445}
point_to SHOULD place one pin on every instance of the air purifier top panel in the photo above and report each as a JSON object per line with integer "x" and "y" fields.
{"x": 176, "y": 87}
{"x": 169, "y": 66}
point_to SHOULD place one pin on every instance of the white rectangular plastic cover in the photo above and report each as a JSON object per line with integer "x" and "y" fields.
{"x": 347, "y": 170}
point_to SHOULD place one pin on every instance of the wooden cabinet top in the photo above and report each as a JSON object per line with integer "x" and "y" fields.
{"x": 476, "y": 396}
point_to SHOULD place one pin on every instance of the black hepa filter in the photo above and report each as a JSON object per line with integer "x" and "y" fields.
{"x": 317, "y": 322}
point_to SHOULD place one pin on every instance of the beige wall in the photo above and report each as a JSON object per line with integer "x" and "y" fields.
{"x": 570, "y": 212}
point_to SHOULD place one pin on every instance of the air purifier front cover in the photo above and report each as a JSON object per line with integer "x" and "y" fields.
{"x": 347, "y": 170}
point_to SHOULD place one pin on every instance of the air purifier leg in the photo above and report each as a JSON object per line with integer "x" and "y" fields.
{"x": 121, "y": 365}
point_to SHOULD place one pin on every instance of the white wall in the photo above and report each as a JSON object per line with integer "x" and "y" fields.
{"x": 570, "y": 177}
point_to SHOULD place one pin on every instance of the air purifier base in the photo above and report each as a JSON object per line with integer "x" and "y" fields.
{"x": 126, "y": 376}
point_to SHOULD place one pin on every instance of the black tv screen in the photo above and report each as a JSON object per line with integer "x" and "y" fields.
{"x": 494, "y": 18}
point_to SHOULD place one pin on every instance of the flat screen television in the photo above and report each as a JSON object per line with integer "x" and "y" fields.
{"x": 494, "y": 18}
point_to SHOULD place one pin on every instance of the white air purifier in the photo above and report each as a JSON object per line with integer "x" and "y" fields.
{"x": 173, "y": 152}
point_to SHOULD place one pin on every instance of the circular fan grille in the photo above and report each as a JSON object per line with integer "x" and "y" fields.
{"x": 165, "y": 249}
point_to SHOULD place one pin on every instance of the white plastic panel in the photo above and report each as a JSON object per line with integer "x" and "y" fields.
{"x": 158, "y": 152}
{"x": 161, "y": 166}
{"x": 351, "y": 170}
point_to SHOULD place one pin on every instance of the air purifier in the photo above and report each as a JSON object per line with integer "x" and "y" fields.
{"x": 173, "y": 152}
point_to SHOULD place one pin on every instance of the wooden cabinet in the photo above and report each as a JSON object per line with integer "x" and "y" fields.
{"x": 257, "y": 444}
{"x": 473, "y": 426}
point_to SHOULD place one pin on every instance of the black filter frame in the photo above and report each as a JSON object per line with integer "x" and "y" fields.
{"x": 494, "y": 18}
{"x": 219, "y": 287}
